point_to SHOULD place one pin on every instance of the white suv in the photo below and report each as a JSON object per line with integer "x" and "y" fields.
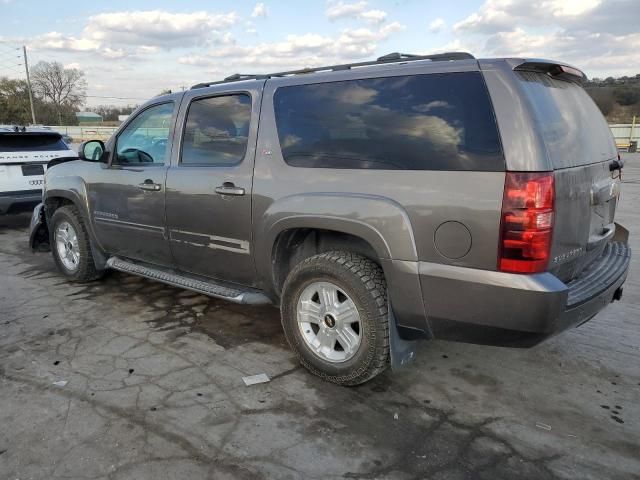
{"x": 24, "y": 155}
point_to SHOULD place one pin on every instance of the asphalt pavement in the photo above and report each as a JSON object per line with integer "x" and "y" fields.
{"x": 130, "y": 379}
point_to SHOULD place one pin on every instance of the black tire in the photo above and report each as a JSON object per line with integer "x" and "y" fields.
{"x": 363, "y": 281}
{"x": 86, "y": 270}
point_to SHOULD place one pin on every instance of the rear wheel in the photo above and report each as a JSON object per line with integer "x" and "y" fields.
{"x": 334, "y": 315}
{"x": 71, "y": 247}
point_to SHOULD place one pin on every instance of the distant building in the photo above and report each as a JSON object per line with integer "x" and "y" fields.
{"x": 122, "y": 118}
{"x": 88, "y": 118}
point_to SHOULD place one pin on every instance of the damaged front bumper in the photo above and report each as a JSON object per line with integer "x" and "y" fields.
{"x": 38, "y": 230}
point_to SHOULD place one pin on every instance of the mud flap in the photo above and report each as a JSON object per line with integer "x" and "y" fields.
{"x": 621, "y": 235}
{"x": 402, "y": 352}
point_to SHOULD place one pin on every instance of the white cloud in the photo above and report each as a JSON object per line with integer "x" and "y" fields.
{"x": 297, "y": 51}
{"x": 599, "y": 36}
{"x": 118, "y": 35}
{"x": 72, "y": 65}
{"x": 436, "y": 25}
{"x": 562, "y": 8}
{"x": 58, "y": 41}
{"x": 373, "y": 16}
{"x": 114, "y": 53}
{"x": 390, "y": 28}
{"x": 518, "y": 43}
{"x": 259, "y": 10}
{"x": 456, "y": 45}
{"x": 341, "y": 9}
{"x": 598, "y": 53}
{"x": 504, "y": 15}
{"x": 157, "y": 27}
{"x": 147, "y": 49}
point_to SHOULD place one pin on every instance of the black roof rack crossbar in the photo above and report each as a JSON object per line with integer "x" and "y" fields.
{"x": 390, "y": 58}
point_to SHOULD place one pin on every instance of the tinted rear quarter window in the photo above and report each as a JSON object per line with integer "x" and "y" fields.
{"x": 31, "y": 142}
{"x": 572, "y": 128}
{"x": 418, "y": 122}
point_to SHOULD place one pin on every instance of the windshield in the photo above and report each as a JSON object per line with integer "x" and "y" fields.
{"x": 572, "y": 127}
{"x": 31, "y": 142}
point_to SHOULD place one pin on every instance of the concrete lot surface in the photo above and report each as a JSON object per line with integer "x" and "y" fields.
{"x": 154, "y": 390}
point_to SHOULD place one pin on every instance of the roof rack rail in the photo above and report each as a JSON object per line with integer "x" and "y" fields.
{"x": 390, "y": 58}
{"x": 242, "y": 76}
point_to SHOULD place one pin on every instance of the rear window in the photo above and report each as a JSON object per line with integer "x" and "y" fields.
{"x": 419, "y": 122}
{"x": 572, "y": 127}
{"x": 31, "y": 142}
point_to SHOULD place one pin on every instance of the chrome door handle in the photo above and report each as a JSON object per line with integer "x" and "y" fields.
{"x": 150, "y": 186}
{"x": 229, "y": 189}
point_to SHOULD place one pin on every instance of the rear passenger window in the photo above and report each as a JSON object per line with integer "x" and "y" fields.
{"x": 420, "y": 122}
{"x": 216, "y": 131}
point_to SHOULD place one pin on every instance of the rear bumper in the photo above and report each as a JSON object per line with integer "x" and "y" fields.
{"x": 21, "y": 200}
{"x": 495, "y": 308}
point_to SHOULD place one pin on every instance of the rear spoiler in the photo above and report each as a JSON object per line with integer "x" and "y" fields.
{"x": 553, "y": 69}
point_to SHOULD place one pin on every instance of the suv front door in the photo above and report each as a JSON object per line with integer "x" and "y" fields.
{"x": 209, "y": 185}
{"x": 128, "y": 199}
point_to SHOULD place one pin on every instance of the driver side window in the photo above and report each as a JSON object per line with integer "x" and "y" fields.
{"x": 146, "y": 138}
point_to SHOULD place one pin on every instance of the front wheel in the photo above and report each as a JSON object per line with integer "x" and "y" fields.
{"x": 71, "y": 247}
{"x": 335, "y": 317}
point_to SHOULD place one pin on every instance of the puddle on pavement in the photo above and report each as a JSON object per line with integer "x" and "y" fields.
{"x": 228, "y": 324}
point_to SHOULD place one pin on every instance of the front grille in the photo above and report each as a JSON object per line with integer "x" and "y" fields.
{"x": 601, "y": 274}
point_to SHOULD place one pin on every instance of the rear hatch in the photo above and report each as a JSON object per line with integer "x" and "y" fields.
{"x": 24, "y": 157}
{"x": 580, "y": 148}
{"x": 32, "y": 147}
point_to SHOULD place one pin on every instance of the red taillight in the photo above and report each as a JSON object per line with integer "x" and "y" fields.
{"x": 527, "y": 222}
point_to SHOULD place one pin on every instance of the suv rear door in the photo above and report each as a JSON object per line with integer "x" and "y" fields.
{"x": 580, "y": 149}
{"x": 210, "y": 182}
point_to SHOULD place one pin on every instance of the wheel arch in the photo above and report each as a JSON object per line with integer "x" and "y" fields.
{"x": 294, "y": 245}
{"x": 378, "y": 227}
{"x": 74, "y": 194}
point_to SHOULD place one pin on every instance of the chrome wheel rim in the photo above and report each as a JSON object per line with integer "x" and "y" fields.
{"x": 329, "y": 322}
{"x": 67, "y": 246}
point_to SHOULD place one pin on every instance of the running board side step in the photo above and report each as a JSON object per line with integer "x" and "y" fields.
{"x": 225, "y": 292}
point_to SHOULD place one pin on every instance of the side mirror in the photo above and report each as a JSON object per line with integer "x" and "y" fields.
{"x": 92, "y": 151}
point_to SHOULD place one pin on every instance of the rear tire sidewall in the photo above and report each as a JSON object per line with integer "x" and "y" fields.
{"x": 359, "y": 364}
{"x": 66, "y": 215}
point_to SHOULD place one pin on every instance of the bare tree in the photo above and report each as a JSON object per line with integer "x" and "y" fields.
{"x": 65, "y": 88}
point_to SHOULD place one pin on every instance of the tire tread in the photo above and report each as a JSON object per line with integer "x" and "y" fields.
{"x": 87, "y": 272}
{"x": 370, "y": 276}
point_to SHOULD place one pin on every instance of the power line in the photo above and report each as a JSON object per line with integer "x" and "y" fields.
{"x": 11, "y": 60}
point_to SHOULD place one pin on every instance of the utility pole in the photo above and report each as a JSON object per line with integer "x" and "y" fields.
{"x": 26, "y": 67}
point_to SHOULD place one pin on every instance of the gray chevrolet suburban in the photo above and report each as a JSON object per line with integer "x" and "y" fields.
{"x": 376, "y": 203}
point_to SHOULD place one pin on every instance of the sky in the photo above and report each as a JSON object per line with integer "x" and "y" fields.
{"x": 132, "y": 50}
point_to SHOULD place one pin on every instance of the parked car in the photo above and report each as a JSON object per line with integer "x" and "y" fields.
{"x": 24, "y": 155}
{"x": 376, "y": 203}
